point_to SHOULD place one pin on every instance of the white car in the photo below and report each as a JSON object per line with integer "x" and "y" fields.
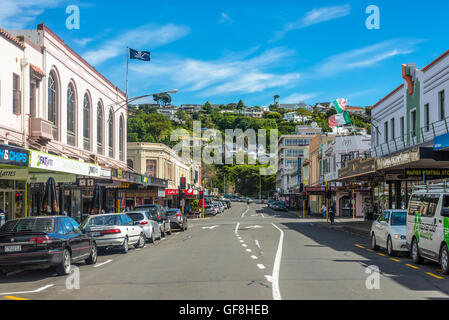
{"x": 389, "y": 231}
{"x": 114, "y": 231}
{"x": 428, "y": 224}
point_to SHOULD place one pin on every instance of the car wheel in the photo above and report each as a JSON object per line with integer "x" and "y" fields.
{"x": 444, "y": 260}
{"x": 64, "y": 266}
{"x": 374, "y": 246}
{"x": 416, "y": 257}
{"x": 93, "y": 254}
{"x": 152, "y": 239}
{"x": 390, "y": 250}
{"x": 141, "y": 243}
{"x": 125, "y": 246}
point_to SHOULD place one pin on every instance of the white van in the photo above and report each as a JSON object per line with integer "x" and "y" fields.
{"x": 428, "y": 224}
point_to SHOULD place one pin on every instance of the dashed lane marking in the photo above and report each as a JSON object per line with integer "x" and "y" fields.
{"x": 254, "y": 257}
{"x": 261, "y": 266}
{"x": 397, "y": 260}
{"x": 14, "y": 298}
{"x": 359, "y": 246}
{"x": 412, "y": 266}
{"x": 103, "y": 263}
{"x": 381, "y": 254}
{"x": 434, "y": 275}
{"x": 249, "y": 250}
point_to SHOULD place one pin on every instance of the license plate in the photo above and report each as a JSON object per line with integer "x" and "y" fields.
{"x": 13, "y": 248}
{"x": 95, "y": 234}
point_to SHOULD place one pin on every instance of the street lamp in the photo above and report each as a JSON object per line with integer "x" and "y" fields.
{"x": 125, "y": 102}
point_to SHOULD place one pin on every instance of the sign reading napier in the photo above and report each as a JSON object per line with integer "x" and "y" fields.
{"x": 429, "y": 173}
{"x": 40, "y": 160}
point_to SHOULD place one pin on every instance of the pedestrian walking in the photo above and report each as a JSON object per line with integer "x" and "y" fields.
{"x": 324, "y": 209}
{"x": 332, "y": 214}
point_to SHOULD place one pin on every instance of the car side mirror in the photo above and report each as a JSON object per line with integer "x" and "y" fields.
{"x": 445, "y": 212}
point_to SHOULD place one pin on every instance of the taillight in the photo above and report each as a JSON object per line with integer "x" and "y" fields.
{"x": 144, "y": 223}
{"x": 112, "y": 231}
{"x": 178, "y": 216}
{"x": 159, "y": 217}
{"x": 40, "y": 240}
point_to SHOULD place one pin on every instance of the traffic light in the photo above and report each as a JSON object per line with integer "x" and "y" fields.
{"x": 182, "y": 183}
{"x": 201, "y": 194}
{"x": 303, "y": 196}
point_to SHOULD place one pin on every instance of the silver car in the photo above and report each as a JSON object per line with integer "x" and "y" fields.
{"x": 149, "y": 225}
{"x": 389, "y": 231}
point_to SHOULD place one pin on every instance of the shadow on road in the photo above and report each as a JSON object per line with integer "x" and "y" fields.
{"x": 397, "y": 271}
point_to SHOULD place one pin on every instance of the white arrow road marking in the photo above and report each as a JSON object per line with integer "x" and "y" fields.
{"x": 277, "y": 267}
{"x": 210, "y": 228}
{"x": 23, "y": 292}
{"x": 103, "y": 263}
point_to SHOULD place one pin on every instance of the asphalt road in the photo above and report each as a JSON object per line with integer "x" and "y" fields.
{"x": 243, "y": 254}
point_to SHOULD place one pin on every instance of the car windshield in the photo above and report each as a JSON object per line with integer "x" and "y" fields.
{"x": 172, "y": 212}
{"x": 29, "y": 225}
{"x": 135, "y": 216}
{"x": 101, "y": 221}
{"x": 399, "y": 218}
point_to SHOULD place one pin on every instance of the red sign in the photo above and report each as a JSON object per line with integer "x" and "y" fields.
{"x": 171, "y": 192}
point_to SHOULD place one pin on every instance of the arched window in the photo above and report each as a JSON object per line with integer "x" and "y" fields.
{"x": 121, "y": 138}
{"x": 100, "y": 128}
{"x": 53, "y": 103}
{"x": 71, "y": 109}
{"x": 86, "y": 122}
{"x": 111, "y": 133}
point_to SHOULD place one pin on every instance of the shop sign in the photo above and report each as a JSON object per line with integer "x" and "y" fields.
{"x": 331, "y": 176}
{"x": 441, "y": 142}
{"x": 41, "y": 177}
{"x": 357, "y": 167}
{"x": 161, "y": 193}
{"x": 428, "y": 173}
{"x": 171, "y": 192}
{"x": 40, "y": 160}
{"x": 14, "y": 156}
{"x": 399, "y": 159}
{"x": 105, "y": 173}
{"x": 86, "y": 182}
{"x": 13, "y": 174}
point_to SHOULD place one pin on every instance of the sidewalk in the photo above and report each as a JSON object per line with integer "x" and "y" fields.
{"x": 358, "y": 227}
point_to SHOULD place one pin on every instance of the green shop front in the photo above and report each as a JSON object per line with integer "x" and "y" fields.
{"x": 75, "y": 181}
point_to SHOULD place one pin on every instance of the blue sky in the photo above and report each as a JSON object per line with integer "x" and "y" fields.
{"x": 224, "y": 51}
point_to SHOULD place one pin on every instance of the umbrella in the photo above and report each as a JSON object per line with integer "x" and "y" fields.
{"x": 50, "y": 201}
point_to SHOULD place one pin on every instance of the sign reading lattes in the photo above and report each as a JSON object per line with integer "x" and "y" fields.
{"x": 40, "y": 160}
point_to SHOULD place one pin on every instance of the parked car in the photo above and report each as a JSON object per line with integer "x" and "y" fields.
{"x": 427, "y": 232}
{"x": 389, "y": 231}
{"x": 149, "y": 225}
{"x": 210, "y": 209}
{"x": 42, "y": 242}
{"x": 158, "y": 213}
{"x": 219, "y": 207}
{"x": 178, "y": 220}
{"x": 228, "y": 203}
{"x": 271, "y": 203}
{"x": 114, "y": 230}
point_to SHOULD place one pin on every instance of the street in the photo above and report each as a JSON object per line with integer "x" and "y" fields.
{"x": 242, "y": 254}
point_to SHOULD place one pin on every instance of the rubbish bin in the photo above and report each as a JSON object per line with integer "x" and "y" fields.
{"x": 2, "y": 219}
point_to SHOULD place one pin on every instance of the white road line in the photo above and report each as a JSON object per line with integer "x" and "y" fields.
{"x": 254, "y": 257}
{"x": 269, "y": 279}
{"x": 241, "y": 241}
{"x": 103, "y": 263}
{"x": 248, "y": 250}
{"x": 14, "y": 272}
{"x": 237, "y": 227}
{"x": 244, "y": 245}
{"x": 257, "y": 244}
{"x": 261, "y": 266}
{"x": 243, "y": 215}
{"x": 277, "y": 267}
{"x": 263, "y": 216}
{"x": 23, "y": 292}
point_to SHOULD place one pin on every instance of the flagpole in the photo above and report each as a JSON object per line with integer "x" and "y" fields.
{"x": 127, "y": 62}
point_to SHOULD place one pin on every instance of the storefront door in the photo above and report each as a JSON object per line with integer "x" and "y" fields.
{"x": 346, "y": 207}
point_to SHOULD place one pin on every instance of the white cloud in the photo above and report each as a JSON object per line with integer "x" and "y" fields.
{"x": 225, "y": 18}
{"x": 148, "y": 36}
{"x": 226, "y": 75}
{"x": 366, "y": 56}
{"x": 82, "y": 41}
{"x": 18, "y": 14}
{"x": 314, "y": 16}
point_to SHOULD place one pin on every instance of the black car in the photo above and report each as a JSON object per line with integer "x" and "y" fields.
{"x": 43, "y": 242}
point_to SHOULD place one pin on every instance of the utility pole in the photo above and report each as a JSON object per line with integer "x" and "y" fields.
{"x": 260, "y": 188}
{"x": 327, "y": 203}
{"x": 203, "y": 204}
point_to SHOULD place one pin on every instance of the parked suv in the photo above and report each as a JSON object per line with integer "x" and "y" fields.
{"x": 428, "y": 224}
{"x": 149, "y": 225}
{"x": 157, "y": 213}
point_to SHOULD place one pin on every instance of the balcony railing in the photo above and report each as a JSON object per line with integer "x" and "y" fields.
{"x": 422, "y": 135}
